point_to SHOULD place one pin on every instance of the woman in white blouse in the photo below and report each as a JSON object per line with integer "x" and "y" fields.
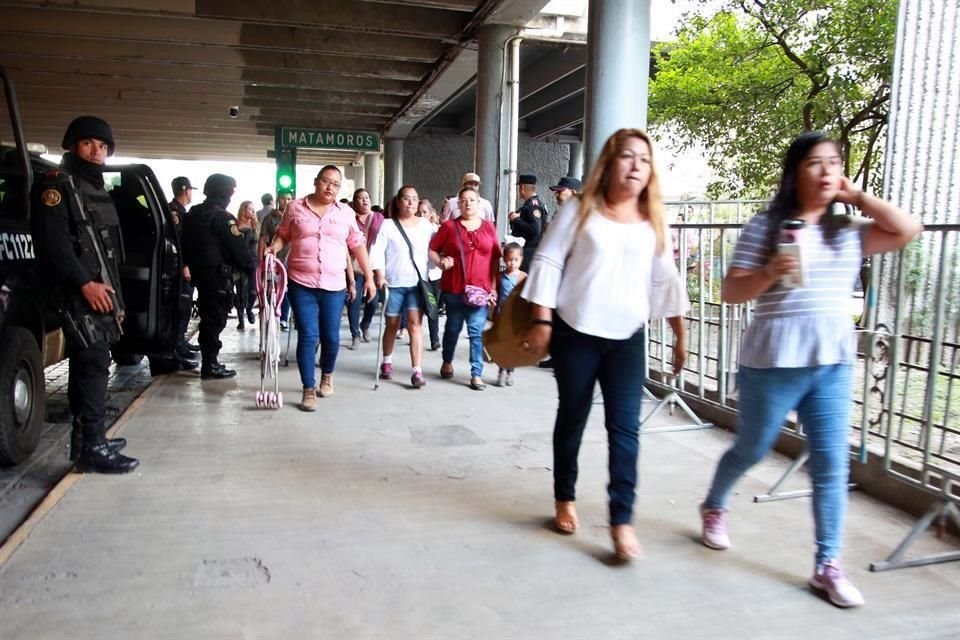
{"x": 399, "y": 261}
{"x": 602, "y": 271}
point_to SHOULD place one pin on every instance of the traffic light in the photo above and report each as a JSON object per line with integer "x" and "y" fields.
{"x": 287, "y": 170}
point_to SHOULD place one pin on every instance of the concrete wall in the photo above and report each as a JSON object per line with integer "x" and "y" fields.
{"x": 435, "y": 164}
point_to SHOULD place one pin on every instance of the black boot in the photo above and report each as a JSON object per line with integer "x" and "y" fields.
{"x": 250, "y": 317}
{"x": 185, "y": 364}
{"x": 116, "y": 444}
{"x": 101, "y": 458}
{"x": 240, "y": 324}
{"x": 215, "y": 371}
{"x": 76, "y": 441}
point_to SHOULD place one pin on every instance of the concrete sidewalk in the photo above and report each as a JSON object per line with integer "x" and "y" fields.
{"x": 425, "y": 513}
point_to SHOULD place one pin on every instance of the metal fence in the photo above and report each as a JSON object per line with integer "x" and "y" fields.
{"x": 906, "y": 307}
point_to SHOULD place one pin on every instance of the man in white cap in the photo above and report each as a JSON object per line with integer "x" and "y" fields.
{"x": 451, "y": 208}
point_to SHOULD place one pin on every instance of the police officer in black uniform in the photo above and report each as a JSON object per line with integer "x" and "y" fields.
{"x": 528, "y": 223}
{"x": 74, "y": 246}
{"x": 213, "y": 248}
{"x": 182, "y": 196}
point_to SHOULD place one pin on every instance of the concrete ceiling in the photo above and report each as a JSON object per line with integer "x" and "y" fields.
{"x": 164, "y": 73}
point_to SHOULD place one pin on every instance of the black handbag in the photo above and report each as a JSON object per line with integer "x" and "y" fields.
{"x": 429, "y": 300}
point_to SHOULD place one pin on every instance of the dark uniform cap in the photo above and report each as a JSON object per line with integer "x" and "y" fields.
{"x": 527, "y": 178}
{"x": 219, "y": 186}
{"x": 84, "y": 127}
{"x": 567, "y": 182}
{"x": 181, "y": 184}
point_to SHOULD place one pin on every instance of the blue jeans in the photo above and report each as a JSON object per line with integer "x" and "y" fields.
{"x": 579, "y": 362}
{"x": 317, "y": 312}
{"x": 476, "y": 318}
{"x": 354, "y": 306}
{"x": 821, "y": 396}
{"x": 401, "y": 301}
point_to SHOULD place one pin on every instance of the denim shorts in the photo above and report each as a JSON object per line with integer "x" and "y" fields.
{"x": 403, "y": 299}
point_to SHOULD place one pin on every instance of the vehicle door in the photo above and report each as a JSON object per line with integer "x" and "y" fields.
{"x": 150, "y": 261}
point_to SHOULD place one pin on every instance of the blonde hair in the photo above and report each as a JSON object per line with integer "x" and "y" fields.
{"x": 242, "y": 215}
{"x": 593, "y": 196}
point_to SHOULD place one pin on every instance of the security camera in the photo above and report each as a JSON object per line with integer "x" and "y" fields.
{"x": 234, "y": 112}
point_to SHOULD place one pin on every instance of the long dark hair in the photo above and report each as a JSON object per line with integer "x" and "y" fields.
{"x": 785, "y": 203}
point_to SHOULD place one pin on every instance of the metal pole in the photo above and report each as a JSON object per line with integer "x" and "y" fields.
{"x": 371, "y": 177}
{"x": 392, "y": 167}
{"x": 513, "y": 134}
{"x": 489, "y": 108}
{"x": 618, "y": 70}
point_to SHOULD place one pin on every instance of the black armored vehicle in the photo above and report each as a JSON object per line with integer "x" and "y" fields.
{"x": 30, "y": 320}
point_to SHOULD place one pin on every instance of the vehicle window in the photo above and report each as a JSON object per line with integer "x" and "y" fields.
{"x": 12, "y": 190}
{"x": 13, "y": 204}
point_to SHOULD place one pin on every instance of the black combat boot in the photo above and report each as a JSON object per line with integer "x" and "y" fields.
{"x": 102, "y": 458}
{"x": 76, "y": 442}
{"x": 215, "y": 371}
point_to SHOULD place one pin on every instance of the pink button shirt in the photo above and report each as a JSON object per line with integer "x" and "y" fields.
{"x": 318, "y": 253}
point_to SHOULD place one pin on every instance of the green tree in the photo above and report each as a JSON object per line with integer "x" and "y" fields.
{"x": 743, "y": 81}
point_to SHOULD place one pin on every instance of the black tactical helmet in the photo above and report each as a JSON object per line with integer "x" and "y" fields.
{"x": 84, "y": 127}
{"x": 219, "y": 186}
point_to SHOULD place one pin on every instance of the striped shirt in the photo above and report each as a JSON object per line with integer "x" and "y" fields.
{"x": 805, "y": 326}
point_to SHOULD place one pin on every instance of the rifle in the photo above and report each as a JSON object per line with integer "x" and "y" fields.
{"x": 90, "y": 242}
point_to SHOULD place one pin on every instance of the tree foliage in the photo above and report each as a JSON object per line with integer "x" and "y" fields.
{"x": 744, "y": 80}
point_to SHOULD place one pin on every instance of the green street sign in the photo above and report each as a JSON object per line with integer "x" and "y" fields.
{"x": 329, "y": 139}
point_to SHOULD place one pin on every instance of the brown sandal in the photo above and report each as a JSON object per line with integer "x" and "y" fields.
{"x": 565, "y": 520}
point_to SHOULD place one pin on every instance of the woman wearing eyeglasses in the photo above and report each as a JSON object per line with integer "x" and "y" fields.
{"x": 320, "y": 232}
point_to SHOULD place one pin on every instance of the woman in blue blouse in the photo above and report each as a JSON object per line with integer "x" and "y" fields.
{"x": 798, "y": 352}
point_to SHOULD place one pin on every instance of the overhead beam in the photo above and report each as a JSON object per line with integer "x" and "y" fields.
{"x": 450, "y": 5}
{"x": 366, "y": 17}
{"x": 561, "y": 117}
{"x": 552, "y": 95}
{"x": 146, "y": 102}
{"x": 548, "y": 70}
{"x": 277, "y": 79}
{"x": 185, "y": 31}
{"x": 204, "y": 56}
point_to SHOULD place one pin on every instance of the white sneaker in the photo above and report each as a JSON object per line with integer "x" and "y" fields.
{"x": 831, "y": 579}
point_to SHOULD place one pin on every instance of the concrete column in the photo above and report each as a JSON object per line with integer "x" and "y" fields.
{"x": 371, "y": 177}
{"x": 490, "y": 101}
{"x": 575, "y": 169}
{"x": 618, "y": 70}
{"x": 392, "y": 167}
{"x": 358, "y": 176}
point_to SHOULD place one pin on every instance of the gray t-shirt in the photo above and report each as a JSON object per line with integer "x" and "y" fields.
{"x": 807, "y": 326}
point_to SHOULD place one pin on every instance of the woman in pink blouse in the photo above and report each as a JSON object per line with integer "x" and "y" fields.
{"x": 320, "y": 231}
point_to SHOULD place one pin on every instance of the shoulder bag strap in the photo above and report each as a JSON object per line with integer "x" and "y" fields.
{"x": 409, "y": 246}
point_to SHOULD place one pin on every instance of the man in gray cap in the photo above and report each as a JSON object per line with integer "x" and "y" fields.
{"x": 85, "y": 271}
{"x": 214, "y": 248}
{"x": 528, "y": 221}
